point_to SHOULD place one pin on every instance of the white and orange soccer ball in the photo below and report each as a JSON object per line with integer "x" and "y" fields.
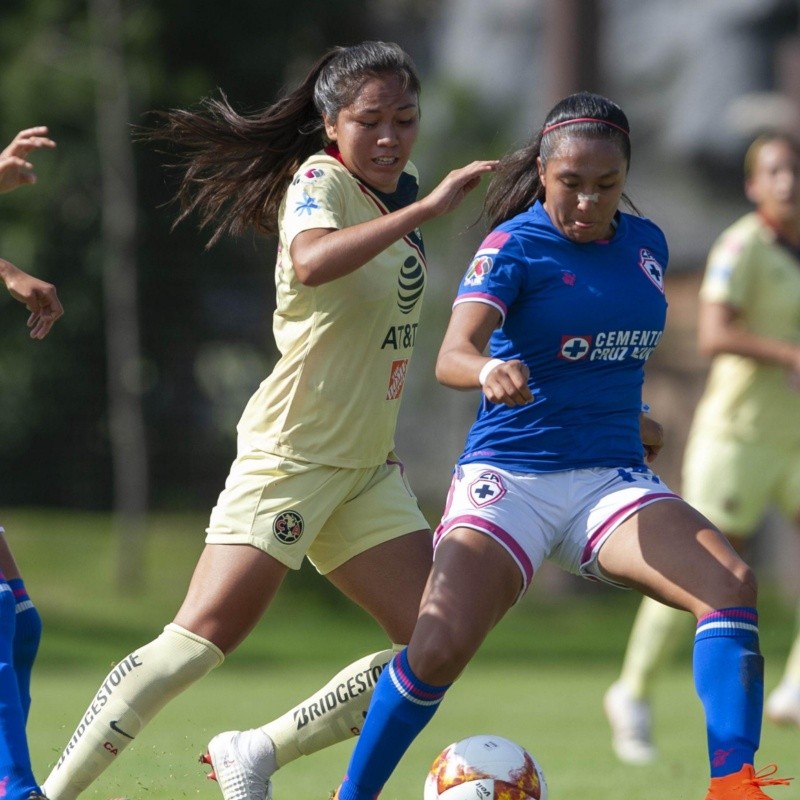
{"x": 485, "y": 768}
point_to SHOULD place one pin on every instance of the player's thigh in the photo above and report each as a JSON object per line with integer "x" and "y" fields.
{"x": 473, "y": 583}
{"x": 388, "y": 580}
{"x": 671, "y": 552}
{"x": 8, "y": 566}
{"x": 730, "y": 482}
{"x": 377, "y": 549}
{"x": 231, "y": 587}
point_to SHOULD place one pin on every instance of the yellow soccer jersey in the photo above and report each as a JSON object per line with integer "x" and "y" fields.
{"x": 334, "y": 395}
{"x": 751, "y": 270}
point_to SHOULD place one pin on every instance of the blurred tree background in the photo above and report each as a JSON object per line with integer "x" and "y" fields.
{"x": 149, "y": 375}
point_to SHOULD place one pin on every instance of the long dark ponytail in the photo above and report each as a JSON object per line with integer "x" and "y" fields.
{"x": 236, "y": 167}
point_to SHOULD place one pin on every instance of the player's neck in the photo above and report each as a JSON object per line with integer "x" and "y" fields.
{"x": 787, "y": 232}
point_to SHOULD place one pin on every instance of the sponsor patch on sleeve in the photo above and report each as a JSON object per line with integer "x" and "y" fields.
{"x": 483, "y": 262}
{"x": 306, "y": 205}
{"x": 308, "y": 175}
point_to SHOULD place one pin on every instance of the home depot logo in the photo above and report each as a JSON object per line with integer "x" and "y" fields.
{"x": 397, "y": 379}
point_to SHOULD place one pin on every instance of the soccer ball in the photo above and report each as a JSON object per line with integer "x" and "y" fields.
{"x": 485, "y": 768}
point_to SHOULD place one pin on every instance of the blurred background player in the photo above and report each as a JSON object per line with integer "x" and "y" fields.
{"x": 743, "y": 450}
{"x": 20, "y": 624}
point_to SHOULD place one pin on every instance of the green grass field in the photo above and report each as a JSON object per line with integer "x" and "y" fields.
{"x": 539, "y": 679}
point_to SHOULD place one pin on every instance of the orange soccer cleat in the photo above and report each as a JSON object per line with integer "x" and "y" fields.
{"x": 745, "y": 784}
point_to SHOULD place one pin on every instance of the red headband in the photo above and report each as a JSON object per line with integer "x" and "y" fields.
{"x": 583, "y": 119}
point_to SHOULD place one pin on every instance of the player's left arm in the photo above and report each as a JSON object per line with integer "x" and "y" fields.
{"x": 38, "y": 296}
{"x": 720, "y": 330}
{"x": 321, "y": 255}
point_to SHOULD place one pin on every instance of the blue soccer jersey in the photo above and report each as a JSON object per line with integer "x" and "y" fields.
{"x": 584, "y": 318}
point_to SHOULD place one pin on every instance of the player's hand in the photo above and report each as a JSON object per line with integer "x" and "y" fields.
{"x": 652, "y": 434}
{"x": 15, "y": 169}
{"x": 449, "y": 194}
{"x": 507, "y": 383}
{"x": 39, "y": 297}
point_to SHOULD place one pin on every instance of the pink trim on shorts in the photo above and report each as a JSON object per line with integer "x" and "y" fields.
{"x": 502, "y": 536}
{"x": 618, "y": 517}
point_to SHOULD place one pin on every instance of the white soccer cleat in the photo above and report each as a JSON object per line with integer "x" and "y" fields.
{"x": 783, "y": 704}
{"x": 239, "y": 777}
{"x": 631, "y": 726}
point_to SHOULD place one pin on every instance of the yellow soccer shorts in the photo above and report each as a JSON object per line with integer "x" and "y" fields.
{"x": 733, "y": 482}
{"x": 292, "y": 509}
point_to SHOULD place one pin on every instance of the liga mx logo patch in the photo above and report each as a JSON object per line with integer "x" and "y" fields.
{"x": 487, "y": 489}
{"x": 650, "y": 266}
{"x": 288, "y": 526}
{"x": 480, "y": 267}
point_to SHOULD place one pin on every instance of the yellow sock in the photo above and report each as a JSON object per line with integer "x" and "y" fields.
{"x": 791, "y": 672}
{"x": 333, "y": 714}
{"x": 133, "y": 692}
{"x": 656, "y": 632}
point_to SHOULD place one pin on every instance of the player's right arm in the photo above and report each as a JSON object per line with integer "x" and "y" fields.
{"x": 461, "y": 361}
{"x": 720, "y": 330}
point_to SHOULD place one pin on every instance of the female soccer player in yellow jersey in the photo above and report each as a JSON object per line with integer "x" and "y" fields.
{"x": 743, "y": 451}
{"x": 327, "y": 168}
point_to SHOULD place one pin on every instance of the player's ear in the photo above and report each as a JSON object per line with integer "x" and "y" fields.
{"x": 540, "y": 169}
{"x": 751, "y": 191}
{"x": 330, "y": 127}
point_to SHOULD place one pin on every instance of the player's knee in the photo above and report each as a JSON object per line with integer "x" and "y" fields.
{"x": 742, "y": 587}
{"x": 440, "y": 659}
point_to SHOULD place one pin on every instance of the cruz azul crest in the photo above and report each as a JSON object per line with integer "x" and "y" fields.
{"x": 651, "y": 268}
{"x": 487, "y": 489}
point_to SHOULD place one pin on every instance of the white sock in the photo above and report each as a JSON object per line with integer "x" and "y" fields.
{"x": 133, "y": 692}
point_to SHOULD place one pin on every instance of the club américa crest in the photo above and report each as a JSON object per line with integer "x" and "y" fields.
{"x": 288, "y": 526}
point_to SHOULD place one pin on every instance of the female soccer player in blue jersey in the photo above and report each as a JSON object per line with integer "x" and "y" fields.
{"x": 327, "y": 169}
{"x": 20, "y": 624}
{"x": 568, "y": 294}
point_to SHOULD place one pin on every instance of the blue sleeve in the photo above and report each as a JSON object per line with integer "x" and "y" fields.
{"x": 496, "y": 274}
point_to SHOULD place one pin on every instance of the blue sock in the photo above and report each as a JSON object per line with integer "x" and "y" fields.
{"x": 27, "y": 636}
{"x": 729, "y": 677}
{"x": 401, "y": 707}
{"x": 16, "y": 776}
